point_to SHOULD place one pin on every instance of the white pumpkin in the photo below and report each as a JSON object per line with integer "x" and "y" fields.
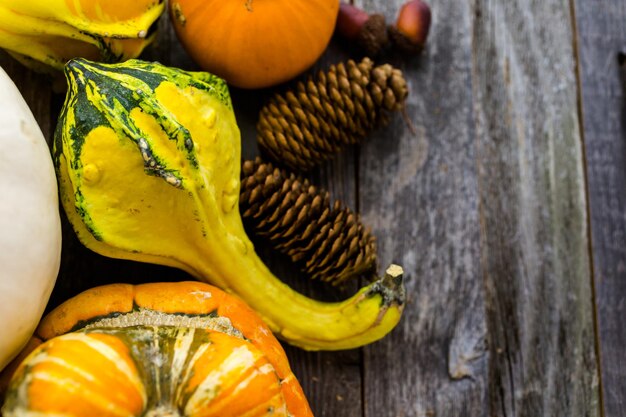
{"x": 30, "y": 227}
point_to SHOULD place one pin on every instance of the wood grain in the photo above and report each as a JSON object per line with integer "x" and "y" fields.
{"x": 420, "y": 193}
{"x": 35, "y": 89}
{"x": 601, "y": 34}
{"x": 485, "y": 206}
{"x": 534, "y": 242}
{"x": 331, "y": 380}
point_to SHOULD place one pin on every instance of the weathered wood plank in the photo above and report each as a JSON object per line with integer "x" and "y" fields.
{"x": 485, "y": 209}
{"x": 534, "y": 241}
{"x": 601, "y": 27}
{"x": 34, "y": 87}
{"x": 331, "y": 380}
{"x": 420, "y": 194}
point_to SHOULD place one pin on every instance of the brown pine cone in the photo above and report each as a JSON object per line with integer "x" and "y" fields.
{"x": 327, "y": 241}
{"x": 339, "y": 107}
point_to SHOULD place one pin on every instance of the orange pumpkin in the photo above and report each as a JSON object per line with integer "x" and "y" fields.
{"x": 163, "y": 349}
{"x": 254, "y": 43}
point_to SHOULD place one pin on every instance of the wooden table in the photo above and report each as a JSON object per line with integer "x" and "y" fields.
{"x": 507, "y": 209}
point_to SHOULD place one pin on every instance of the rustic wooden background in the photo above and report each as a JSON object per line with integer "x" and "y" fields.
{"x": 507, "y": 209}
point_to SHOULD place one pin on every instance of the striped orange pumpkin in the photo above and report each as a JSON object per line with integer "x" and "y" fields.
{"x": 155, "y": 350}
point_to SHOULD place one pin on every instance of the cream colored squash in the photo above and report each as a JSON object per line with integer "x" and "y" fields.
{"x": 30, "y": 227}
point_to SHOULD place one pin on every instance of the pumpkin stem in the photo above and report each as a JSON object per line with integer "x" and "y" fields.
{"x": 162, "y": 411}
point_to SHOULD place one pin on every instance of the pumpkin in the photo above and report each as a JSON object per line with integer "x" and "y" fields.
{"x": 159, "y": 349}
{"x": 254, "y": 43}
{"x": 45, "y": 34}
{"x": 30, "y": 241}
{"x": 148, "y": 162}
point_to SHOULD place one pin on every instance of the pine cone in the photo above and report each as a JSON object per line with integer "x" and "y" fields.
{"x": 328, "y": 242}
{"x": 340, "y": 107}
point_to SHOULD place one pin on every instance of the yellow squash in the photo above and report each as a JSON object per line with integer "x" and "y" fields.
{"x": 148, "y": 161}
{"x": 45, "y": 34}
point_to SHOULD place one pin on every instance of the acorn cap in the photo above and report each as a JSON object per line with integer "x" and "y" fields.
{"x": 410, "y": 31}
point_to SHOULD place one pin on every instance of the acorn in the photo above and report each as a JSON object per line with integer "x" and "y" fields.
{"x": 411, "y": 29}
{"x": 368, "y": 32}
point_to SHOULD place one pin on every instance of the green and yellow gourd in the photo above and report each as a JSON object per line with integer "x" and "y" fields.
{"x": 148, "y": 161}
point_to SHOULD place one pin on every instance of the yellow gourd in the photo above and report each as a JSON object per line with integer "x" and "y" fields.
{"x": 148, "y": 161}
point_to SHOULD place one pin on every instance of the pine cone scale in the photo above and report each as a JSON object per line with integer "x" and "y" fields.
{"x": 326, "y": 113}
{"x": 326, "y": 240}
{"x": 336, "y": 108}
